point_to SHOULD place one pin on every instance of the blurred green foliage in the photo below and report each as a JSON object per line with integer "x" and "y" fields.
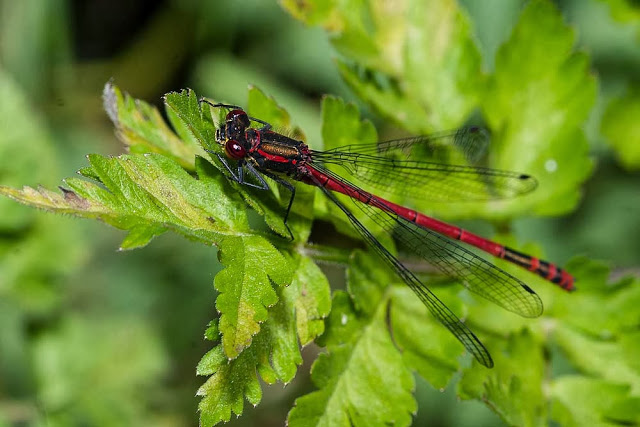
{"x": 94, "y": 337}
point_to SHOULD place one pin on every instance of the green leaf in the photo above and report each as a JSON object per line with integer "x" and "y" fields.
{"x": 426, "y": 346}
{"x": 593, "y": 327}
{"x": 312, "y": 295}
{"x": 367, "y": 280}
{"x": 147, "y": 194}
{"x": 442, "y": 63}
{"x": 604, "y": 358}
{"x": 142, "y": 128}
{"x": 342, "y": 125}
{"x": 416, "y": 62}
{"x": 245, "y": 288}
{"x": 192, "y": 122}
{"x": 514, "y": 388}
{"x": 582, "y": 401}
{"x": 274, "y": 353}
{"x": 353, "y": 381}
{"x": 599, "y": 309}
{"x": 536, "y": 103}
{"x": 300, "y": 318}
{"x": 355, "y": 388}
{"x": 140, "y": 235}
{"x": 230, "y": 382}
{"x": 597, "y": 328}
{"x": 212, "y": 332}
{"x": 620, "y": 126}
{"x": 630, "y": 346}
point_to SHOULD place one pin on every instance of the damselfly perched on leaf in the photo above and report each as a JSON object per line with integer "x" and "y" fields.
{"x": 261, "y": 152}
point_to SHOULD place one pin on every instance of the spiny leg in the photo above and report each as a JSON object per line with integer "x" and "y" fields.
{"x": 292, "y": 190}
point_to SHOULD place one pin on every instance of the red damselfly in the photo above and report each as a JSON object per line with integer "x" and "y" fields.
{"x": 259, "y": 151}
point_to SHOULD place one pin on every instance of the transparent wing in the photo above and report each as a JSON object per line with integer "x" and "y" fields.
{"x": 471, "y": 142}
{"x": 387, "y": 167}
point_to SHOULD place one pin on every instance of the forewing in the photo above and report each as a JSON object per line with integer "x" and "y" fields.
{"x": 390, "y": 167}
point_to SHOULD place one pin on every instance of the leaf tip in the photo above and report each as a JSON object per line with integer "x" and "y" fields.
{"x": 110, "y": 100}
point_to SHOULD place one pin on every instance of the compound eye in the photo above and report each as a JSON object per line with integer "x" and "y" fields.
{"x": 231, "y": 115}
{"x": 238, "y": 116}
{"x": 235, "y": 150}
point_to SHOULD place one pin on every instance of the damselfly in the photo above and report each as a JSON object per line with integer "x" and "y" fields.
{"x": 261, "y": 152}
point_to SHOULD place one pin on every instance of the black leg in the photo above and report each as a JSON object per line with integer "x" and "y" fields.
{"x": 239, "y": 175}
{"x": 265, "y": 186}
{"x": 218, "y": 105}
{"x": 232, "y": 176}
{"x": 257, "y": 175}
{"x": 292, "y": 189}
{"x": 265, "y": 125}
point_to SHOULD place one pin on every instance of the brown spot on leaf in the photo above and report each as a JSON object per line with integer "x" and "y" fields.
{"x": 73, "y": 199}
